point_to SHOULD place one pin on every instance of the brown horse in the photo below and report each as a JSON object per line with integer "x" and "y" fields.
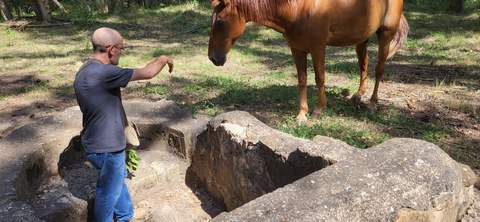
{"x": 309, "y": 26}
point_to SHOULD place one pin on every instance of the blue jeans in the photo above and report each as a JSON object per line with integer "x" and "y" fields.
{"x": 112, "y": 200}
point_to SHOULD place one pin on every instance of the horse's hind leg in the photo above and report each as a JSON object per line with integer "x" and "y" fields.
{"x": 362, "y": 55}
{"x": 385, "y": 36}
{"x": 301, "y": 64}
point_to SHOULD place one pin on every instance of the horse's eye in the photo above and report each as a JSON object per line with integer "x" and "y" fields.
{"x": 217, "y": 20}
{"x": 219, "y": 23}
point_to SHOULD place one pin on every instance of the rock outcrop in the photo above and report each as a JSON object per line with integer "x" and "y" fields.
{"x": 256, "y": 172}
{"x": 44, "y": 177}
{"x": 398, "y": 180}
{"x": 238, "y": 158}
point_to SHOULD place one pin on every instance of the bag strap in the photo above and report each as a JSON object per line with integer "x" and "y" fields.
{"x": 94, "y": 60}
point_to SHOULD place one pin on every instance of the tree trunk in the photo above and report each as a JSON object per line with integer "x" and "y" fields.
{"x": 457, "y": 6}
{"x": 42, "y": 10}
{"x": 116, "y": 5}
{"x": 5, "y": 10}
{"x": 16, "y": 8}
{"x": 150, "y": 3}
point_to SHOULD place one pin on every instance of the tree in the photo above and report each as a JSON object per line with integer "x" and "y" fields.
{"x": 42, "y": 10}
{"x": 116, "y": 5}
{"x": 457, "y": 5}
{"x": 5, "y": 10}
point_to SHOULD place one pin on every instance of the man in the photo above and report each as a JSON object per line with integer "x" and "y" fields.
{"x": 97, "y": 87}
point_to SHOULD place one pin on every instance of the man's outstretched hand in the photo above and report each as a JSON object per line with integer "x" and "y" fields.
{"x": 167, "y": 61}
{"x": 153, "y": 68}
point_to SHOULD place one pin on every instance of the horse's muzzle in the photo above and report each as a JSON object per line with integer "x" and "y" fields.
{"x": 218, "y": 61}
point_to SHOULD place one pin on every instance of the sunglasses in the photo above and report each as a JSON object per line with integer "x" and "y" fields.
{"x": 120, "y": 48}
{"x": 114, "y": 46}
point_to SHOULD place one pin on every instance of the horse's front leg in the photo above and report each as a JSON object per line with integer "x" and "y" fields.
{"x": 318, "y": 56}
{"x": 301, "y": 64}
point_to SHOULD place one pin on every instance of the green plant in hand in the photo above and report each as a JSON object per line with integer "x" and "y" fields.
{"x": 133, "y": 160}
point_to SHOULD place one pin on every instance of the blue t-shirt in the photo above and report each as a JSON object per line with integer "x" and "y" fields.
{"x": 97, "y": 87}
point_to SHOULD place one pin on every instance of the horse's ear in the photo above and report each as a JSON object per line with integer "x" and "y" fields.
{"x": 225, "y": 2}
{"x": 215, "y": 3}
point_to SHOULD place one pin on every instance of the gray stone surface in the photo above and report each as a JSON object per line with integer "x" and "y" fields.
{"x": 280, "y": 142}
{"x": 469, "y": 176}
{"x": 30, "y": 181}
{"x": 26, "y": 161}
{"x": 17, "y": 211}
{"x": 473, "y": 213}
{"x": 398, "y": 180}
{"x": 177, "y": 125}
{"x": 239, "y": 158}
{"x": 325, "y": 141}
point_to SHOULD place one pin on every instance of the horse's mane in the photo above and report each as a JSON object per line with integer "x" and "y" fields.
{"x": 260, "y": 10}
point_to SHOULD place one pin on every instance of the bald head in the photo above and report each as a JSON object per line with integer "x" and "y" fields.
{"x": 104, "y": 37}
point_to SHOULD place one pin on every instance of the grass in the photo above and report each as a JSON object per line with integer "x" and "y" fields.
{"x": 155, "y": 89}
{"x": 438, "y": 67}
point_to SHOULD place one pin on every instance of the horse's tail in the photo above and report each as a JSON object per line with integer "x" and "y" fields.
{"x": 400, "y": 37}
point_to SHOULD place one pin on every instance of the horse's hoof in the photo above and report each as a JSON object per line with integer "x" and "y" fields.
{"x": 345, "y": 93}
{"x": 372, "y": 107}
{"x": 356, "y": 99}
{"x": 316, "y": 113}
{"x": 301, "y": 119}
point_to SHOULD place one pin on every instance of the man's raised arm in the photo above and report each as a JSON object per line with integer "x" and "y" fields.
{"x": 152, "y": 68}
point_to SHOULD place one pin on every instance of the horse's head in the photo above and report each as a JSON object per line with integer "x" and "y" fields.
{"x": 227, "y": 26}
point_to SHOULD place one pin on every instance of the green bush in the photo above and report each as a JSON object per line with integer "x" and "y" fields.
{"x": 440, "y": 5}
{"x": 81, "y": 12}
